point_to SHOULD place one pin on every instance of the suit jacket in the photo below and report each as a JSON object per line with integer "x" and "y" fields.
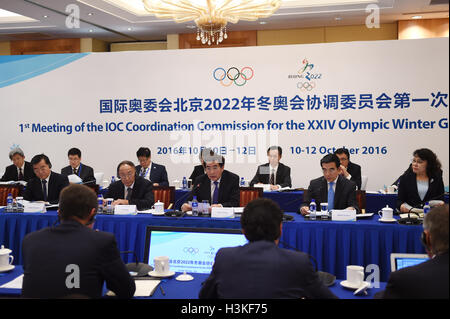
{"x": 283, "y": 177}
{"x": 86, "y": 173}
{"x": 11, "y": 173}
{"x": 229, "y": 195}
{"x": 198, "y": 171}
{"x": 141, "y": 196}
{"x": 428, "y": 280}
{"x": 47, "y": 253}
{"x": 355, "y": 170}
{"x": 408, "y": 193}
{"x": 344, "y": 195}
{"x": 261, "y": 270}
{"x": 33, "y": 191}
{"x": 158, "y": 174}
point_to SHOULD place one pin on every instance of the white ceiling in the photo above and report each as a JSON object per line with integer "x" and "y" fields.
{"x": 102, "y": 20}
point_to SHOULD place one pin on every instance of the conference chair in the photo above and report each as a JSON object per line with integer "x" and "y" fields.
{"x": 361, "y": 199}
{"x": 15, "y": 190}
{"x": 165, "y": 194}
{"x": 247, "y": 194}
{"x": 364, "y": 180}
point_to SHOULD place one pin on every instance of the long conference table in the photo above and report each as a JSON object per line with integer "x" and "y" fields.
{"x": 333, "y": 244}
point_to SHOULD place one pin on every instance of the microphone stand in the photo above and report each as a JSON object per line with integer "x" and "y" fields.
{"x": 409, "y": 220}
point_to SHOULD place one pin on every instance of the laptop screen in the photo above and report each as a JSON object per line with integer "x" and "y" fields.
{"x": 399, "y": 261}
{"x": 189, "y": 249}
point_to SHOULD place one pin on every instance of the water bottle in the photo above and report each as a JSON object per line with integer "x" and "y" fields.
{"x": 9, "y": 203}
{"x": 184, "y": 183}
{"x": 242, "y": 182}
{"x": 312, "y": 209}
{"x": 194, "y": 206}
{"x": 100, "y": 204}
{"x": 426, "y": 208}
{"x": 113, "y": 179}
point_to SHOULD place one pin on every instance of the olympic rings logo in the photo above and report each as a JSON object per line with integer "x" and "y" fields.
{"x": 190, "y": 250}
{"x": 308, "y": 86}
{"x": 233, "y": 75}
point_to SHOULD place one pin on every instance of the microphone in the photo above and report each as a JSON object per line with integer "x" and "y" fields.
{"x": 416, "y": 221}
{"x": 138, "y": 269}
{"x": 180, "y": 200}
{"x": 326, "y": 278}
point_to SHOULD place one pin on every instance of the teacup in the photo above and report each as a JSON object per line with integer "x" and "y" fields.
{"x": 386, "y": 213}
{"x": 355, "y": 275}
{"x": 159, "y": 207}
{"x": 162, "y": 266}
{"x": 5, "y": 258}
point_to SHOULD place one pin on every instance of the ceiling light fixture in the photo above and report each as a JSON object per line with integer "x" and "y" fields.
{"x": 212, "y": 16}
{"x": 416, "y": 17}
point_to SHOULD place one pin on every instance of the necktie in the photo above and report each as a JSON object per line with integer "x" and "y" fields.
{"x": 75, "y": 171}
{"x": 20, "y": 174}
{"x": 331, "y": 197}
{"x": 143, "y": 171}
{"x": 215, "y": 199}
{"x": 44, "y": 189}
{"x": 272, "y": 177}
{"x": 129, "y": 191}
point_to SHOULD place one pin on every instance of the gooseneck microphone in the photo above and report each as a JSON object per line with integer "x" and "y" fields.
{"x": 416, "y": 221}
{"x": 137, "y": 269}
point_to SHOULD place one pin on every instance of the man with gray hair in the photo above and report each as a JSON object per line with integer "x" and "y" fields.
{"x": 20, "y": 170}
{"x": 428, "y": 280}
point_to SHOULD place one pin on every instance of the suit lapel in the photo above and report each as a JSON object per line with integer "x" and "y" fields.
{"x": 324, "y": 191}
{"x": 279, "y": 173}
{"x": 338, "y": 191}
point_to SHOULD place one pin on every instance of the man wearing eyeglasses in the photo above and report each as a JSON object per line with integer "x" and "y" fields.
{"x": 131, "y": 189}
{"x": 218, "y": 186}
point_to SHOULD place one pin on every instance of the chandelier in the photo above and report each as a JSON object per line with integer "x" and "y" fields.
{"x": 212, "y": 16}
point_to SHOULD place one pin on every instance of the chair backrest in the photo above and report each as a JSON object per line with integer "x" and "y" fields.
{"x": 364, "y": 180}
{"x": 15, "y": 190}
{"x": 247, "y": 194}
{"x": 361, "y": 199}
{"x": 165, "y": 194}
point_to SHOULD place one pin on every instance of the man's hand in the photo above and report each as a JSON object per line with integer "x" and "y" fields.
{"x": 304, "y": 210}
{"x": 120, "y": 202}
{"x": 186, "y": 207}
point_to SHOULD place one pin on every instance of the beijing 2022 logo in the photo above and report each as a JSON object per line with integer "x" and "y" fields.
{"x": 307, "y": 76}
{"x": 233, "y": 75}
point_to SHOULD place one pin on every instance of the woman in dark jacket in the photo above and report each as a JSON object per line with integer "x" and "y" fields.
{"x": 421, "y": 184}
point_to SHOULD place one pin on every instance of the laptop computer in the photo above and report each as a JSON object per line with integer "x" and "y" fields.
{"x": 189, "y": 249}
{"x": 399, "y": 261}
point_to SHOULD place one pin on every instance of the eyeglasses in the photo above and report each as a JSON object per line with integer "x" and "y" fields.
{"x": 126, "y": 176}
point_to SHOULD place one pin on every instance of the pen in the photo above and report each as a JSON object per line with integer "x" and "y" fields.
{"x": 162, "y": 290}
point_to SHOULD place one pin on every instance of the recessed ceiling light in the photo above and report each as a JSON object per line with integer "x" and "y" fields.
{"x": 262, "y": 22}
{"x": 338, "y": 18}
{"x": 90, "y": 14}
{"x": 45, "y": 16}
{"x": 191, "y": 26}
{"x": 416, "y": 17}
{"x": 90, "y": 30}
{"x": 129, "y": 29}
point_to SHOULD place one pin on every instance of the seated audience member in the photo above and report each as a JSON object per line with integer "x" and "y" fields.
{"x": 274, "y": 173}
{"x": 131, "y": 189}
{"x": 218, "y": 186}
{"x": 260, "y": 269}
{"x": 46, "y": 185}
{"x": 428, "y": 280}
{"x": 86, "y": 173}
{"x": 349, "y": 169}
{"x": 71, "y": 259}
{"x": 153, "y": 172}
{"x": 200, "y": 169}
{"x": 331, "y": 188}
{"x": 423, "y": 183}
{"x": 19, "y": 170}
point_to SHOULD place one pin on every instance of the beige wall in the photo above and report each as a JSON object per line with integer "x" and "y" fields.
{"x": 138, "y": 46}
{"x": 328, "y": 34}
{"x": 418, "y": 29}
{"x": 5, "y": 48}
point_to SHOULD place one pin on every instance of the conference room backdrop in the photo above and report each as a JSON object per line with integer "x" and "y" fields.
{"x": 380, "y": 99}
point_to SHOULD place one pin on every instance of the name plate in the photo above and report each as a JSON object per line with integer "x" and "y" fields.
{"x": 343, "y": 215}
{"x": 125, "y": 210}
{"x": 34, "y": 207}
{"x": 222, "y": 212}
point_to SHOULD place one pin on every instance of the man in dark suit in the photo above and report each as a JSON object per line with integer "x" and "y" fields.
{"x": 218, "y": 186}
{"x": 260, "y": 269}
{"x": 131, "y": 189}
{"x": 72, "y": 259}
{"x": 86, "y": 173}
{"x": 428, "y": 280}
{"x": 274, "y": 173}
{"x": 47, "y": 185}
{"x": 153, "y": 172}
{"x": 20, "y": 170}
{"x": 349, "y": 170}
{"x": 331, "y": 188}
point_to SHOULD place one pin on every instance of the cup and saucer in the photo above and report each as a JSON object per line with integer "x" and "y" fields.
{"x": 355, "y": 278}
{"x": 386, "y": 215}
{"x": 154, "y": 273}
{"x": 162, "y": 268}
{"x": 7, "y": 268}
{"x": 6, "y": 259}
